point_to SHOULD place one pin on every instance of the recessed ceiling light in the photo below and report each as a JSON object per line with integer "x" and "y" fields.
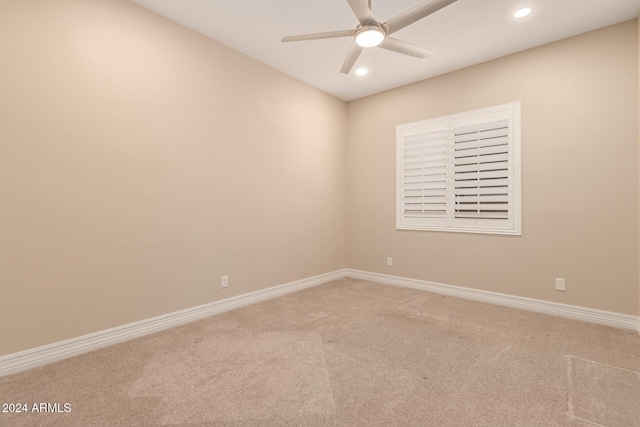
{"x": 362, "y": 71}
{"x": 522, "y": 12}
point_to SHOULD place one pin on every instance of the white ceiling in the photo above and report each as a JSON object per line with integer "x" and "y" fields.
{"x": 465, "y": 33}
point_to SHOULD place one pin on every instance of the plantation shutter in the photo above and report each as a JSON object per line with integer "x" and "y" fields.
{"x": 481, "y": 171}
{"x": 460, "y": 172}
{"x": 424, "y": 170}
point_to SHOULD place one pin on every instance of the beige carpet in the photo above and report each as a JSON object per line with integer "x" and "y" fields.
{"x": 349, "y": 353}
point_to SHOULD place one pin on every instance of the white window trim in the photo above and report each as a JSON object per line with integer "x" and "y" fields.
{"x": 511, "y": 112}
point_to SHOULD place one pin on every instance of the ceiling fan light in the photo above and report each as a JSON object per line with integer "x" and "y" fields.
{"x": 370, "y": 37}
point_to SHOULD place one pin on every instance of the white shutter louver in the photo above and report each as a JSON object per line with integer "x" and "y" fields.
{"x": 460, "y": 172}
{"x": 425, "y": 162}
{"x": 481, "y": 171}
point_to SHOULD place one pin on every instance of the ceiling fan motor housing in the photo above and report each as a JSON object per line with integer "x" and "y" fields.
{"x": 369, "y": 35}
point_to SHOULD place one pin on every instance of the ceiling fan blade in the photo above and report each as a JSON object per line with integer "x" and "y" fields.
{"x": 415, "y": 14}
{"x": 361, "y": 10}
{"x": 316, "y": 36}
{"x": 399, "y": 46}
{"x": 352, "y": 56}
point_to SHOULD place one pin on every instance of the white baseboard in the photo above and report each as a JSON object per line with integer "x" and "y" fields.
{"x": 39, "y": 356}
{"x": 32, "y": 358}
{"x": 618, "y": 320}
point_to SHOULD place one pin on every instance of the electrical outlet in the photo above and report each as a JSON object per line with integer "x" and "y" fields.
{"x": 389, "y": 262}
{"x": 560, "y": 284}
{"x": 224, "y": 281}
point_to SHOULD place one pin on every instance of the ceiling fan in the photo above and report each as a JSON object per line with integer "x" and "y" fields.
{"x": 370, "y": 32}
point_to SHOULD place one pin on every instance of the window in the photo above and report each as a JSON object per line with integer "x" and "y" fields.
{"x": 460, "y": 172}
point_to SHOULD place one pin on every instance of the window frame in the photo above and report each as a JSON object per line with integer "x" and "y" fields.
{"x": 511, "y": 226}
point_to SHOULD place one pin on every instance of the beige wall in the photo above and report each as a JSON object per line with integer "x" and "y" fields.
{"x": 579, "y": 175}
{"x": 140, "y": 161}
{"x": 638, "y": 123}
